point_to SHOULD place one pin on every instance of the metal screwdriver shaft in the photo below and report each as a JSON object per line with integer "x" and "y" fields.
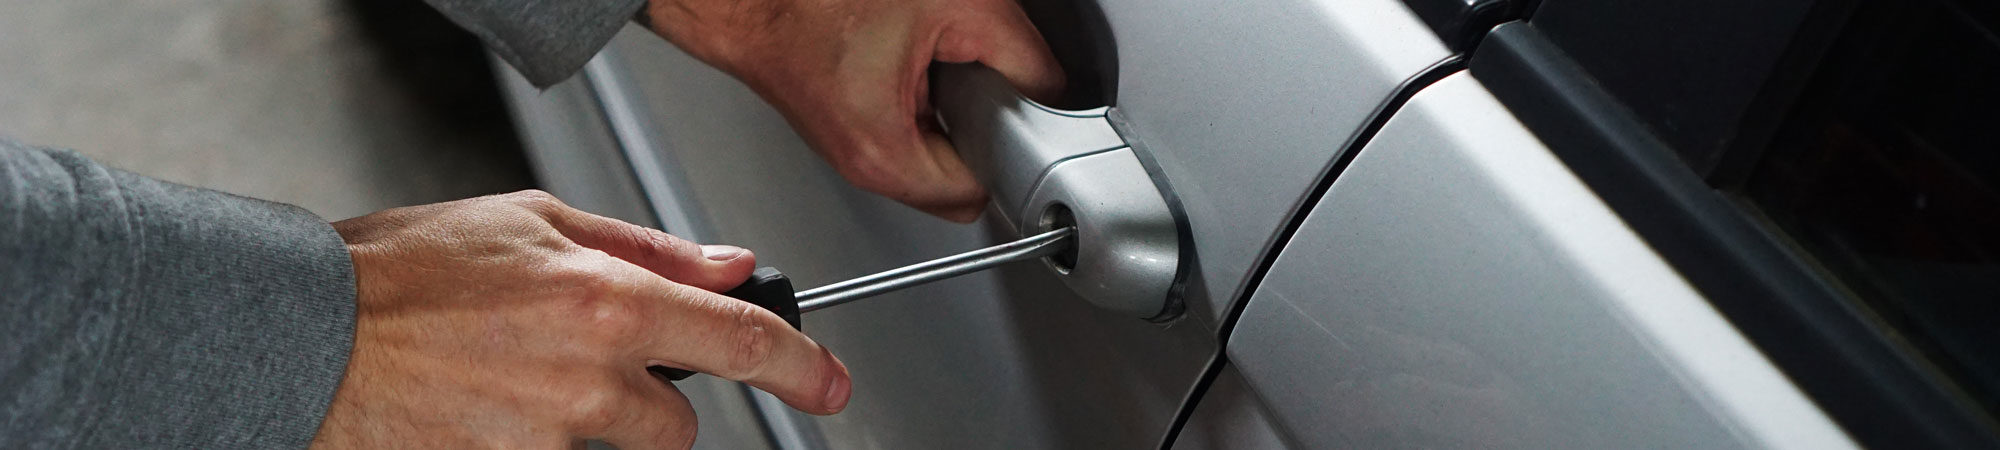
{"x": 1036, "y": 246}
{"x": 772, "y": 290}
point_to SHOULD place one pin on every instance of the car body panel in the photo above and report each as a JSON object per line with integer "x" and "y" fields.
{"x": 1459, "y": 287}
{"x": 1231, "y": 416}
{"x": 1243, "y": 105}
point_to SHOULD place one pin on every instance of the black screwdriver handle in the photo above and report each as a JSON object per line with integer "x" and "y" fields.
{"x": 767, "y": 288}
{"x": 772, "y": 290}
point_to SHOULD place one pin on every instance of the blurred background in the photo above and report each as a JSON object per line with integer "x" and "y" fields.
{"x": 340, "y": 106}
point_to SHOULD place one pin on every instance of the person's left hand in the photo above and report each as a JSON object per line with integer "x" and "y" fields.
{"x": 515, "y": 321}
{"x": 851, "y": 77}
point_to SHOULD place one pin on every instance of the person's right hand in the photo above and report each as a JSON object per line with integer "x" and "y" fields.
{"x": 851, "y": 76}
{"x": 514, "y": 321}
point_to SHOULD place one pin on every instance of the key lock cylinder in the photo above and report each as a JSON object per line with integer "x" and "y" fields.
{"x": 1048, "y": 169}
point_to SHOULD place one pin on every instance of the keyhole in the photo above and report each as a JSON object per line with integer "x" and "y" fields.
{"x": 1054, "y": 218}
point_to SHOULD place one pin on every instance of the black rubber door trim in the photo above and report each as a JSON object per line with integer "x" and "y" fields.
{"x": 1849, "y": 364}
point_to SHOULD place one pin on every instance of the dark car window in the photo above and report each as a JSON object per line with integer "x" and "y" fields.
{"x": 1887, "y": 172}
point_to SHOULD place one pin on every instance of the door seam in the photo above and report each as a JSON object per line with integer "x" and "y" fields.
{"x": 1376, "y": 119}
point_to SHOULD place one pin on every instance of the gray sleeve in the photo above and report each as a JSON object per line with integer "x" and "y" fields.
{"x": 547, "y": 40}
{"x": 140, "y": 313}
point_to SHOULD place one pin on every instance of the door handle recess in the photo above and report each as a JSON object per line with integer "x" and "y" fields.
{"x": 1048, "y": 168}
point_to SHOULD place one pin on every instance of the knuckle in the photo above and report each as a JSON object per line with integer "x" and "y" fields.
{"x": 594, "y": 410}
{"x": 596, "y": 301}
{"x": 540, "y": 235}
{"x": 613, "y": 322}
{"x": 533, "y": 195}
{"x": 536, "y": 200}
{"x": 584, "y": 280}
{"x": 667, "y": 245}
{"x": 750, "y": 348}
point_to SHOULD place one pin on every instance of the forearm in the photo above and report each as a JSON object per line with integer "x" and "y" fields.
{"x": 139, "y": 312}
{"x": 547, "y": 40}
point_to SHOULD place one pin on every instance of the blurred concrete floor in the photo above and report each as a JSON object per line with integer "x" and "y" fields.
{"x": 340, "y": 106}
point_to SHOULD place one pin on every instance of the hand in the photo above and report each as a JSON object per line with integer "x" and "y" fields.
{"x": 851, "y": 77}
{"x": 514, "y": 321}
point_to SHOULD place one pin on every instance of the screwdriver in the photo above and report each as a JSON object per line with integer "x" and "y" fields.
{"x": 772, "y": 290}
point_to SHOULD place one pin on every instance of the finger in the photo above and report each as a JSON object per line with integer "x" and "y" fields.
{"x": 864, "y": 122}
{"x": 999, "y": 35}
{"x": 916, "y": 168}
{"x": 709, "y": 267}
{"x": 653, "y": 415}
{"x": 947, "y": 161}
{"x": 733, "y": 339}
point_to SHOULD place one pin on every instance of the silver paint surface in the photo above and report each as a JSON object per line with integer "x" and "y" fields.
{"x": 1230, "y": 417}
{"x": 1459, "y": 287}
{"x": 1244, "y": 104}
{"x": 1127, "y": 245}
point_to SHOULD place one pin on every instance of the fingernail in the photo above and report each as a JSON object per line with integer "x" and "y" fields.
{"x": 967, "y": 215}
{"x": 721, "y": 252}
{"x": 836, "y": 393}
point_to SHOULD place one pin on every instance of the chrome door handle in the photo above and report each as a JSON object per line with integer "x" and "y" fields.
{"x": 1048, "y": 168}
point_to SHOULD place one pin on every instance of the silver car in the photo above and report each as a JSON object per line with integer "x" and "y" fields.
{"x": 1377, "y": 224}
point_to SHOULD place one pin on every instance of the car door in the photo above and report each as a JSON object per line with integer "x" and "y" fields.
{"x": 1458, "y": 287}
{"x": 1647, "y": 224}
{"x": 1236, "y": 109}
